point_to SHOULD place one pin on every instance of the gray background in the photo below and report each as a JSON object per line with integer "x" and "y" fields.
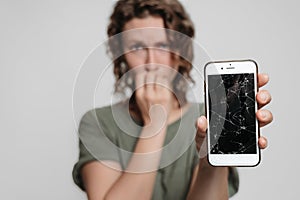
{"x": 42, "y": 46}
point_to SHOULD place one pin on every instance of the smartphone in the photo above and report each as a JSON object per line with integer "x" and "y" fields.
{"x": 230, "y": 100}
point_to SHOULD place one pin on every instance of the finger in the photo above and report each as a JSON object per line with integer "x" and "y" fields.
{"x": 162, "y": 83}
{"x": 264, "y": 117}
{"x": 139, "y": 85}
{"x": 201, "y": 126}
{"x": 262, "y": 142}
{"x": 262, "y": 79}
{"x": 263, "y": 97}
{"x": 150, "y": 81}
{"x": 139, "y": 80}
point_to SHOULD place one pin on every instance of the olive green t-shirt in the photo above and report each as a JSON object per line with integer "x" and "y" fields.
{"x": 109, "y": 133}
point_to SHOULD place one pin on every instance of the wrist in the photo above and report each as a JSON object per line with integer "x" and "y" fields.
{"x": 209, "y": 169}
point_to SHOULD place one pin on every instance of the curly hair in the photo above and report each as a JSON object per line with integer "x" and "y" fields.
{"x": 174, "y": 17}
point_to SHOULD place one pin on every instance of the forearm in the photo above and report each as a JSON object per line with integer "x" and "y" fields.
{"x": 138, "y": 180}
{"x": 211, "y": 183}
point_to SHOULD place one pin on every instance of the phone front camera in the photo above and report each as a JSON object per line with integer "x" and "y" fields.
{"x": 221, "y": 67}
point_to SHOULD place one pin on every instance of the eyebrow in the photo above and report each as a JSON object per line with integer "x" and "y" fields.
{"x": 134, "y": 41}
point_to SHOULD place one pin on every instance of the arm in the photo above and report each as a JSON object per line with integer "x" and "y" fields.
{"x": 212, "y": 182}
{"x": 103, "y": 182}
{"x": 137, "y": 181}
{"x": 98, "y": 178}
{"x": 140, "y": 174}
{"x": 207, "y": 180}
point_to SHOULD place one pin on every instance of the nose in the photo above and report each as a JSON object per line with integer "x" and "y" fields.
{"x": 151, "y": 63}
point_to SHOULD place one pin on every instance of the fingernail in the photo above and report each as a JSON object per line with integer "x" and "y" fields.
{"x": 200, "y": 121}
{"x": 263, "y": 96}
{"x": 266, "y": 76}
{"x": 263, "y": 114}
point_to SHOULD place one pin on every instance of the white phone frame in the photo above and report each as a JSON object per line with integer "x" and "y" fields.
{"x": 232, "y": 67}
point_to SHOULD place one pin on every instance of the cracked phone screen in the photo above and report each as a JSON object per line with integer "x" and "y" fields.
{"x": 232, "y": 113}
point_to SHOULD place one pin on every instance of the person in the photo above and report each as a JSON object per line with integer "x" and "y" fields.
{"x": 146, "y": 147}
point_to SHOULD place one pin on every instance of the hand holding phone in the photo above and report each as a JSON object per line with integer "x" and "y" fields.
{"x": 233, "y": 131}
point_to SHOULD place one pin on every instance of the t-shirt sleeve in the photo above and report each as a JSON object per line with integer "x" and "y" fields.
{"x": 95, "y": 144}
{"x": 84, "y": 157}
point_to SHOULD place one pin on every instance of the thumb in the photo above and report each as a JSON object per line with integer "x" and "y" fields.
{"x": 201, "y": 126}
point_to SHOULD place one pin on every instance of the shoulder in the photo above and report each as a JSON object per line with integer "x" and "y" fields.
{"x": 105, "y": 114}
{"x": 98, "y": 111}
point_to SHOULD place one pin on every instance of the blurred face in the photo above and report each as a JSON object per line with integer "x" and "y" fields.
{"x": 146, "y": 46}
